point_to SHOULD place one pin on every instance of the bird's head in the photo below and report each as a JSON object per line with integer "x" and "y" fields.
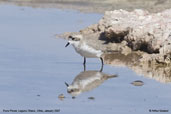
{"x": 74, "y": 40}
{"x": 73, "y": 90}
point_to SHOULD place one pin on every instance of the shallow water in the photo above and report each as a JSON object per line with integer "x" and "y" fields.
{"x": 34, "y": 67}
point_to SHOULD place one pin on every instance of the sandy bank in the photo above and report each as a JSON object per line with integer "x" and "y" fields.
{"x": 98, "y": 6}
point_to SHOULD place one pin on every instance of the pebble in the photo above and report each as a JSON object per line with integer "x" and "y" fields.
{"x": 138, "y": 83}
{"x": 91, "y": 98}
{"x": 61, "y": 96}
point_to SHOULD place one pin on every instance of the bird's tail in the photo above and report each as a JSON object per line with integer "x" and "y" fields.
{"x": 111, "y": 76}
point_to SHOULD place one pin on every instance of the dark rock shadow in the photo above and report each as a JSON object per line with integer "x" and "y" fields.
{"x": 112, "y": 37}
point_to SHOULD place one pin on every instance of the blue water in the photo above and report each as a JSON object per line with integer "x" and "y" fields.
{"x": 34, "y": 66}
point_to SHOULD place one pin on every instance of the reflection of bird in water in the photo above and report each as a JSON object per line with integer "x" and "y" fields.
{"x": 86, "y": 81}
{"x": 85, "y": 48}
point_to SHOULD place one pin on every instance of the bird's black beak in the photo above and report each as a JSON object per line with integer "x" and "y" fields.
{"x": 67, "y": 44}
{"x": 66, "y": 84}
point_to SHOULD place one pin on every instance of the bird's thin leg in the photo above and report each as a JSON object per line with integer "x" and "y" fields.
{"x": 101, "y": 64}
{"x": 101, "y": 60}
{"x": 84, "y": 64}
{"x": 84, "y": 67}
{"x": 84, "y": 61}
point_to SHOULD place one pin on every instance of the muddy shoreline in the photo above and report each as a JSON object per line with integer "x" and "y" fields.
{"x": 96, "y": 6}
{"x": 158, "y": 72}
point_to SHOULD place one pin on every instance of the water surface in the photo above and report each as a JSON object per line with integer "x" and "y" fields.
{"x": 34, "y": 67}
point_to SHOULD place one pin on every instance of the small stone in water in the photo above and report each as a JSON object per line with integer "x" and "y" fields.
{"x": 61, "y": 96}
{"x": 138, "y": 83}
{"x": 73, "y": 97}
{"x": 91, "y": 98}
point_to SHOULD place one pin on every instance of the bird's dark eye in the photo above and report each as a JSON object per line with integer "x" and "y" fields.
{"x": 70, "y": 91}
{"x": 72, "y": 38}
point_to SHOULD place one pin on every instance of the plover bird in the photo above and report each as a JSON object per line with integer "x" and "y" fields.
{"x": 86, "y": 81}
{"x": 82, "y": 47}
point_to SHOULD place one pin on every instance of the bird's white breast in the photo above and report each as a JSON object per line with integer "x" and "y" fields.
{"x": 87, "y": 51}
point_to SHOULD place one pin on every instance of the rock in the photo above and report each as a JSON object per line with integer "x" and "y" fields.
{"x": 138, "y": 83}
{"x": 142, "y": 31}
{"x": 91, "y": 98}
{"x": 61, "y": 97}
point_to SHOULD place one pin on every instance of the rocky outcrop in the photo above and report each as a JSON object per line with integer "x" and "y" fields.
{"x": 142, "y": 31}
{"x": 136, "y": 31}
